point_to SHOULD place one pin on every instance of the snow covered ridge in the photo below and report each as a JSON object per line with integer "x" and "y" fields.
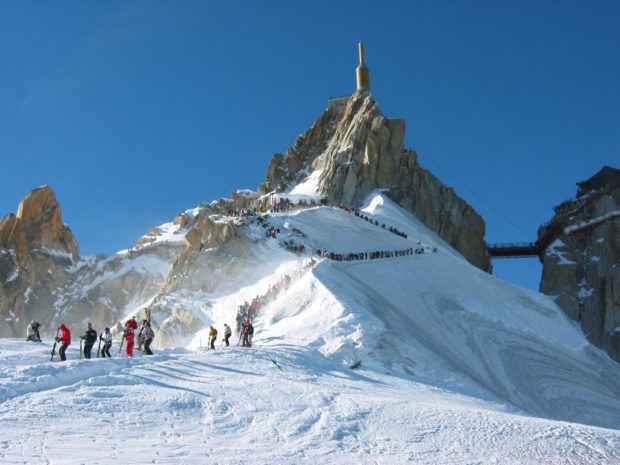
{"x": 235, "y": 406}
{"x": 429, "y": 316}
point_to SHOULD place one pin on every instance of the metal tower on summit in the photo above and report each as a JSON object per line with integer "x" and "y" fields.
{"x": 362, "y": 73}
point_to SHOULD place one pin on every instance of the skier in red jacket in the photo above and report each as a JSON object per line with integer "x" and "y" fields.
{"x": 130, "y": 328}
{"x": 65, "y": 339}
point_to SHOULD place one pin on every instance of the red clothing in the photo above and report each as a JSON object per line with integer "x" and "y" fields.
{"x": 130, "y": 348}
{"x": 130, "y": 326}
{"x": 65, "y": 334}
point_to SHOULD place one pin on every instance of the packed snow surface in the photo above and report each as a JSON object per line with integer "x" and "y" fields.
{"x": 457, "y": 367}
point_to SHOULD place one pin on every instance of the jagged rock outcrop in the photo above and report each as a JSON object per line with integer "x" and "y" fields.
{"x": 36, "y": 249}
{"x": 216, "y": 258}
{"x": 359, "y": 150}
{"x": 581, "y": 266}
{"x": 37, "y": 225}
{"x": 43, "y": 277}
{"x": 286, "y": 170}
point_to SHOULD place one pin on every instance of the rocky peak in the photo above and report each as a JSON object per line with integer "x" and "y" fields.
{"x": 285, "y": 170}
{"x": 37, "y": 225}
{"x": 36, "y": 250}
{"x": 364, "y": 152}
{"x": 357, "y": 149}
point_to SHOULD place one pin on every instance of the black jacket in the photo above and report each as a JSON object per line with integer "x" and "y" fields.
{"x": 90, "y": 337}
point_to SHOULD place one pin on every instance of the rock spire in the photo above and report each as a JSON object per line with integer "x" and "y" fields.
{"x": 357, "y": 150}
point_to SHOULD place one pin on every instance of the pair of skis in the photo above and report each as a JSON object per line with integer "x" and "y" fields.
{"x": 54, "y": 347}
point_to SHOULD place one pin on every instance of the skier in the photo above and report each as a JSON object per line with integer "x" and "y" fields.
{"x": 248, "y": 331}
{"x": 212, "y": 336}
{"x": 148, "y": 335}
{"x": 89, "y": 337}
{"x": 141, "y": 337}
{"x": 106, "y": 337}
{"x": 129, "y": 334}
{"x": 65, "y": 339}
{"x": 32, "y": 331}
{"x": 227, "y": 334}
{"x": 251, "y": 333}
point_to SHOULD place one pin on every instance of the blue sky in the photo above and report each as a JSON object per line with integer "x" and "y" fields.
{"x": 134, "y": 111}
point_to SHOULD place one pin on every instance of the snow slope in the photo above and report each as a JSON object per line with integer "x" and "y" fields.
{"x": 236, "y": 406}
{"x": 457, "y": 367}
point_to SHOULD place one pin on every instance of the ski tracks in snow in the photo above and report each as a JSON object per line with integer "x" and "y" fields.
{"x": 235, "y": 406}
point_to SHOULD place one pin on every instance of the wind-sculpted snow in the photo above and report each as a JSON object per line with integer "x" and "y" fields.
{"x": 286, "y": 404}
{"x": 512, "y": 343}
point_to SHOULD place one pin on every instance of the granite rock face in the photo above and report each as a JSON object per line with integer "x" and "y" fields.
{"x": 43, "y": 276}
{"x": 358, "y": 150}
{"x": 581, "y": 267}
{"x": 36, "y": 249}
{"x": 37, "y": 226}
{"x": 288, "y": 169}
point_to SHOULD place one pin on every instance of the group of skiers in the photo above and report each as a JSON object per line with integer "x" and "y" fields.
{"x": 213, "y": 335}
{"x": 291, "y": 246}
{"x": 246, "y": 333}
{"x": 241, "y": 213}
{"x": 89, "y": 338}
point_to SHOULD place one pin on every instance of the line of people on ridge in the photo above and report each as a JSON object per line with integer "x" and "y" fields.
{"x": 89, "y": 338}
{"x": 287, "y": 205}
{"x": 357, "y": 212}
{"x": 248, "y": 311}
{"x": 352, "y": 256}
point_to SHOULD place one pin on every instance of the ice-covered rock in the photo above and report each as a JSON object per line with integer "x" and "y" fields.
{"x": 581, "y": 268}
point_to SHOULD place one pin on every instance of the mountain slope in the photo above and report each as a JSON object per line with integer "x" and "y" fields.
{"x": 434, "y": 315}
{"x": 456, "y": 366}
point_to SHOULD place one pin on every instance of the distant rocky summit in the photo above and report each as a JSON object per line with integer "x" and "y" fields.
{"x": 43, "y": 276}
{"x": 37, "y": 227}
{"x": 36, "y": 248}
{"x": 581, "y": 266}
{"x": 357, "y": 150}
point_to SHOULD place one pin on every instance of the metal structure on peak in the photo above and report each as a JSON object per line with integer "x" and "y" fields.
{"x": 361, "y": 72}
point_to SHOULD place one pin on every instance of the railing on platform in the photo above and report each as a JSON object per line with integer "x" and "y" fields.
{"x": 514, "y": 250}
